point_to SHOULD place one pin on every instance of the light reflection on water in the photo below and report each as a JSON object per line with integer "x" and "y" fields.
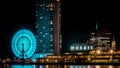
{"x": 61, "y": 66}
{"x": 27, "y": 66}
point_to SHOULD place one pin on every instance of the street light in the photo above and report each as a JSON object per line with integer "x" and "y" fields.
{"x": 98, "y": 51}
{"x": 111, "y": 51}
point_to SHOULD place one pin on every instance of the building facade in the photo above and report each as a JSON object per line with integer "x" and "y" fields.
{"x": 48, "y": 26}
{"x": 101, "y": 39}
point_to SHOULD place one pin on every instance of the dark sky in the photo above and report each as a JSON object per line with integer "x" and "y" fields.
{"x": 78, "y": 18}
{"x": 14, "y": 15}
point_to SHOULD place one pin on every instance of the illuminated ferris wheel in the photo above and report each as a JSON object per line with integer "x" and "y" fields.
{"x": 23, "y": 44}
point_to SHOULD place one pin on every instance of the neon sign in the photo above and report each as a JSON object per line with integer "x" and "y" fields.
{"x": 81, "y": 47}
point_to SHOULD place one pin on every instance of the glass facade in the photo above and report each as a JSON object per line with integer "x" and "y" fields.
{"x": 43, "y": 26}
{"x": 48, "y": 32}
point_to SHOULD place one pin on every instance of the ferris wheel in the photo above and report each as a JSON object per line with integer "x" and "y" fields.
{"x": 23, "y": 44}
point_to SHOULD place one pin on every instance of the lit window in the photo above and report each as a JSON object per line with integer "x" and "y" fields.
{"x": 46, "y": 33}
{"x": 43, "y": 27}
{"x": 51, "y": 36}
{"x": 43, "y": 35}
{"x": 51, "y": 40}
{"x": 36, "y": 26}
{"x": 37, "y": 36}
{"x": 51, "y": 22}
{"x": 41, "y": 5}
{"x": 41, "y": 17}
{"x": 51, "y": 45}
{"x": 40, "y": 32}
{"x": 40, "y": 40}
{"x": 51, "y": 4}
{"x": 51, "y": 29}
{"x": 51, "y": 8}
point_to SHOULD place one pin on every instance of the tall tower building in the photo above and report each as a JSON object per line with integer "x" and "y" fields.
{"x": 48, "y": 26}
{"x": 57, "y": 27}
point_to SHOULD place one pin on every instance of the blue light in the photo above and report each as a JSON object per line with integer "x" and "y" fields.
{"x": 43, "y": 19}
{"x": 21, "y": 66}
{"x": 78, "y": 66}
{"x": 27, "y": 66}
{"x": 23, "y": 40}
{"x": 40, "y": 55}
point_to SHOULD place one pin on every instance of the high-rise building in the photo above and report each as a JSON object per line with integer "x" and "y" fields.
{"x": 57, "y": 37}
{"x": 100, "y": 39}
{"x": 48, "y": 33}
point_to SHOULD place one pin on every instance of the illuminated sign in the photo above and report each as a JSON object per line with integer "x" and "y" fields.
{"x": 81, "y": 47}
{"x": 78, "y": 66}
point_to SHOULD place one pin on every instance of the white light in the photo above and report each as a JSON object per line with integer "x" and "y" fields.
{"x": 51, "y": 22}
{"x": 40, "y": 32}
{"x": 91, "y": 47}
{"x": 77, "y": 48}
{"x": 97, "y": 66}
{"x": 43, "y": 35}
{"x": 33, "y": 60}
{"x": 72, "y": 48}
{"x": 80, "y": 47}
{"x": 46, "y": 33}
{"x": 40, "y": 40}
{"x": 43, "y": 27}
{"x": 84, "y": 48}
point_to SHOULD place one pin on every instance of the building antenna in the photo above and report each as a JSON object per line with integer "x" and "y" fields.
{"x": 96, "y": 35}
{"x": 96, "y": 26}
{"x": 113, "y": 43}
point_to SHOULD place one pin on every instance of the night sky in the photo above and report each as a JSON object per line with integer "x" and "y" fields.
{"x": 14, "y": 16}
{"x": 77, "y": 19}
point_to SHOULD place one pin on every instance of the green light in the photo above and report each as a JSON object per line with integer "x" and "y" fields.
{"x": 96, "y": 26}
